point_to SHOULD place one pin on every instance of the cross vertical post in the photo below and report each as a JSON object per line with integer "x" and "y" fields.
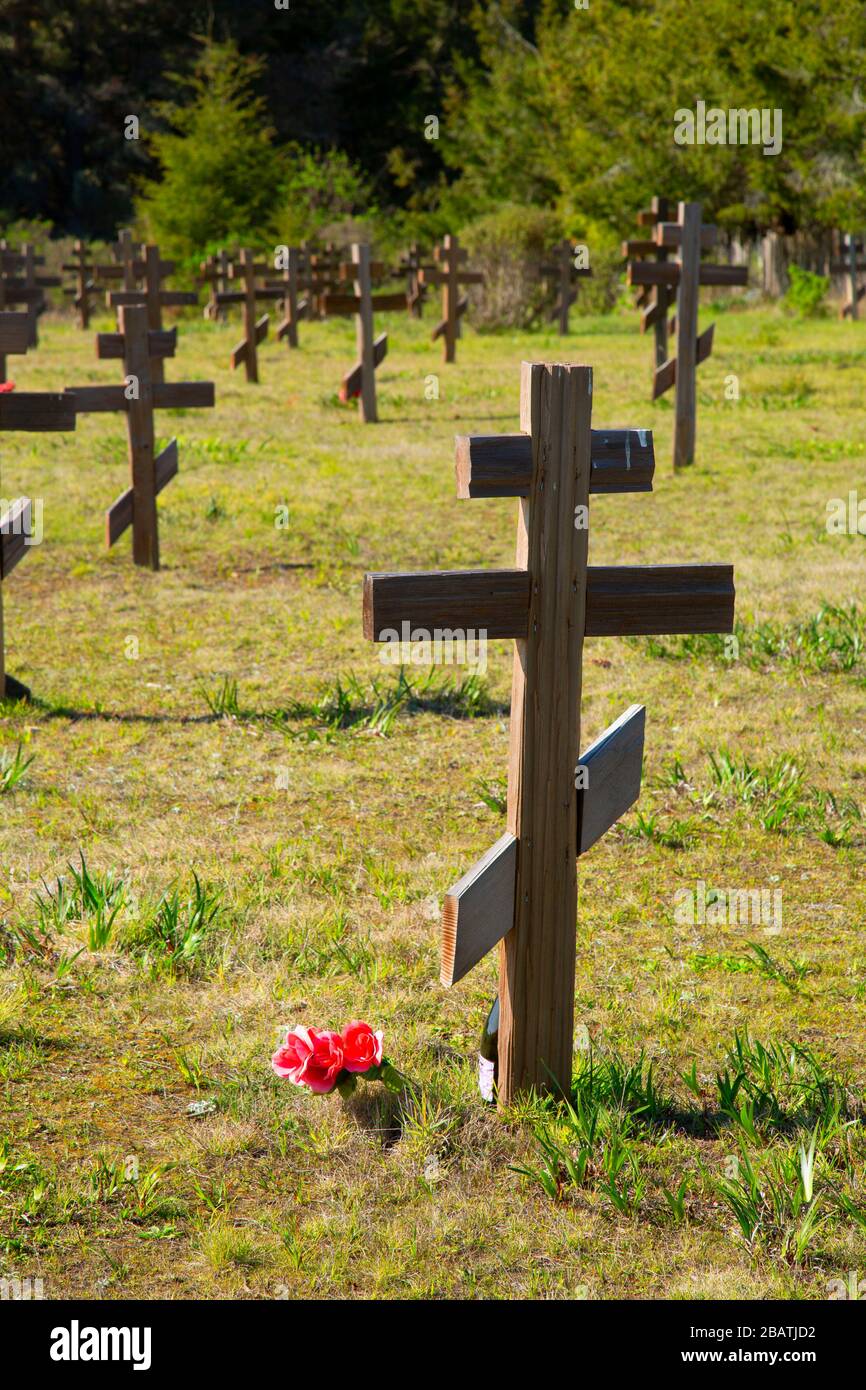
{"x": 133, "y": 323}
{"x": 689, "y": 259}
{"x": 292, "y": 307}
{"x": 364, "y": 331}
{"x": 450, "y": 256}
{"x": 14, "y": 336}
{"x": 536, "y": 972}
{"x": 152, "y": 288}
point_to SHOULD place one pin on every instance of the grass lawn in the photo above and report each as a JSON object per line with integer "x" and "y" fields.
{"x": 224, "y": 721}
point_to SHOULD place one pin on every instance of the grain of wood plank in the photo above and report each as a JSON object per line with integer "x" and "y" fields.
{"x": 478, "y": 910}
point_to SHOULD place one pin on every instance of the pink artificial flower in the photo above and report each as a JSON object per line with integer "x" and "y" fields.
{"x": 7, "y": 385}
{"x": 310, "y": 1057}
{"x": 362, "y": 1048}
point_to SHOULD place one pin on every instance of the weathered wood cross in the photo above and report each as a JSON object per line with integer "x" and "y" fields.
{"x": 129, "y": 255}
{"x": 15, "y": 335}
{"x": 654, "y": 301}
{"x": 31, "y": 411}
{"x": 214, "y": 272}
{"x": 246, "y": 269}
{"x": 21, "y": 283}
{"x": 523, "y": 893}
{"x": 140, "y": 348}
{"x": 450, "y": 256}
{"x": 361, "y": 379}
{"x": 686, "y": 273}
{"x": 86, "y": 275}
{"x": 293, "y": 308}
{"x": 153, "y": 270}
{"x": 564, "y": 270}
{"x": 411, "y": 264}
{"x": 849, "y": 267}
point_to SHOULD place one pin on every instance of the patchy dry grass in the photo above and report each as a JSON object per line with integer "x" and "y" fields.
{"x": 268, "y": 820}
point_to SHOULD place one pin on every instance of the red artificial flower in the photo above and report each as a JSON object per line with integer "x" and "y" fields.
{"x": 7, "y": 386}
{"x": 310, "y": 1057}
{"x": 362, "y": 1048}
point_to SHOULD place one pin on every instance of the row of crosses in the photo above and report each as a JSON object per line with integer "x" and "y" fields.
{"x": 523, "y": 893}
{"x": 688, "y": 237}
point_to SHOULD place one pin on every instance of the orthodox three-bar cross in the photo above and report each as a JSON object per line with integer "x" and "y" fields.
{"x": 153, "y": 270}
{"x": 140, "y": 348}
{"x": 293, "y": 308}
{"x": 450, "y": 256}
{"x": 22, "y": 283}
{"x": 246, "y": 269}
{"x": 85, "y": 284}
{"x": 523, "y": 893}
{"x": 411, "y": 265}
{"x": 688, "y": 237}
{"x": 850, "y": 266}
{"x": 214, "y": 272}
{"x": 655, "y": 300}
{"x": 563, "y": 270}
{"x": 31, "y": 411}
{"x": 360, "y": 381}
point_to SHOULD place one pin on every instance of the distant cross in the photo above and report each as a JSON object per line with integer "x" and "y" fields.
{"x": 24, "y": 284}
{"x": 563, "y": 270}
{"x": 31, "y": 411}
{"x": 15, "y": 336}
{"x": 689, "y": 237}
{"x": 450, "y": 256}
{"x": 214, "y": 272}
{"x": 361, "y": 380}
{"x": 850, "y": 266}
{"x": 129, "y": 255}
{"x": 245, "y": 269}
{"x": 655, "y": 301}
{"x": 293, "y": 309}
{"x": 86, "y": 275}
{"x": 411, "y": 264}
{"x": 140, "y": 348}
{"x": 523, "y": 892}
{"x": 153, "y": 270}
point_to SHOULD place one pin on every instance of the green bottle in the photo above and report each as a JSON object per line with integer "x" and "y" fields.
{"x": 488, "y": 1055}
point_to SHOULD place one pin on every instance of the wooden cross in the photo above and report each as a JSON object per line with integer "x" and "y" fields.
{"x": 411, "y": 264}
{"x": 246, "y": 269}
{"x": 129, "y": 254}
{"x": 655, "y": 301}
{"x": 293, "y": 309}
{"x": 23, "y": 284}
{"x": 689, "y": 237}
{"x": 450, "y": 256}
{"x": 24, "y": 410}
{"x": 86, "y": 274}
{"x": 849, "y": 267}
{"x": 320, "y": 275}
{"x": 153, "y": 270}
{"x": 523, "y": 893}
{"x": 361, "y": 380}
{"x": 564, "y": 269}
{"x": 140, "y": 347}
{"x": 215, "y": 272}
{"x": 15, "y": 332}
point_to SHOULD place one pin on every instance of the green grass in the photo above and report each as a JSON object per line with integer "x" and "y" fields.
{"x": 243, "y": 819}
